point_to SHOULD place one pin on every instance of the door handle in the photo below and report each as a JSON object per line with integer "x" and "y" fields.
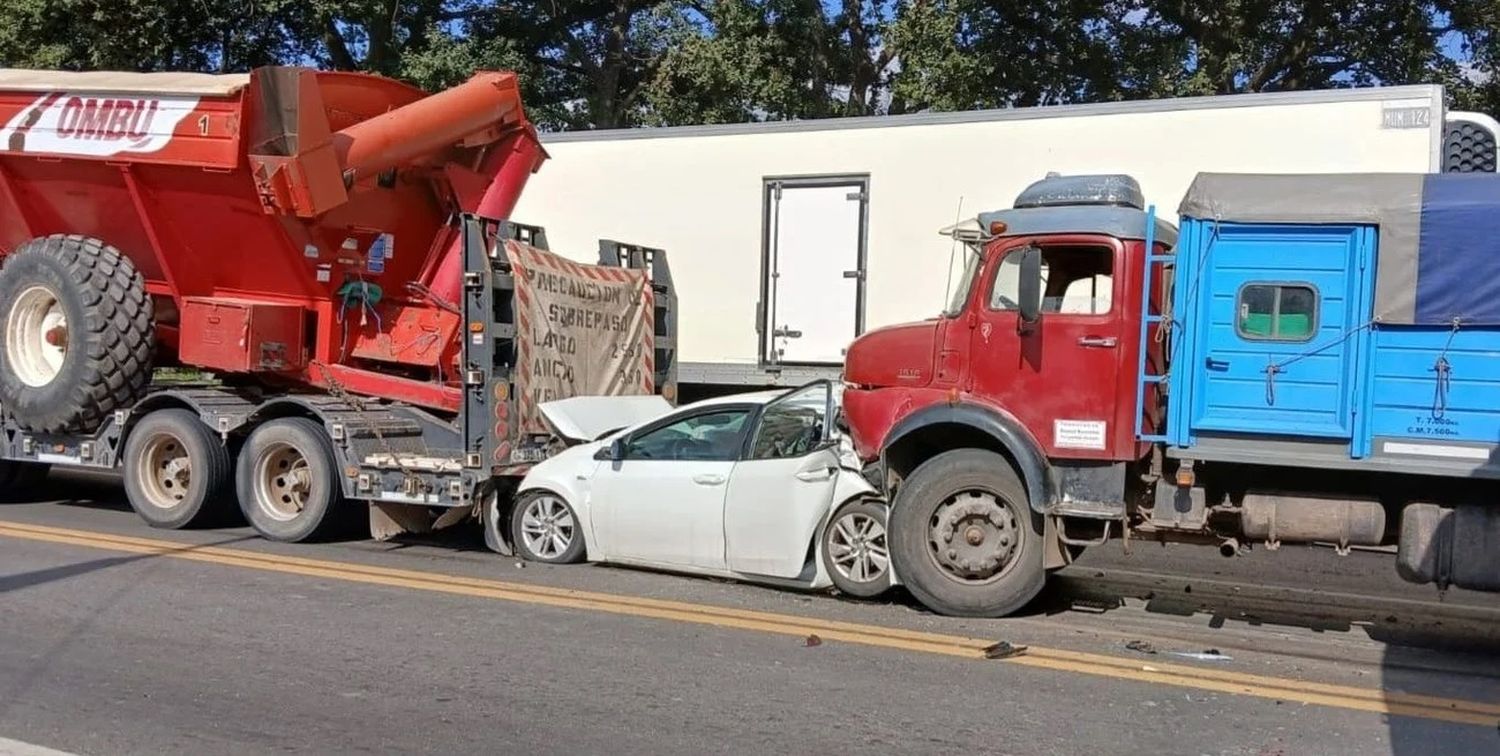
{"x": 813, "y": 476}
{"x": 709, "y": 480}
{"x": 785, "y": 332}
{"x": 1213, "y": 364}
{"x": 1098, "y": 342}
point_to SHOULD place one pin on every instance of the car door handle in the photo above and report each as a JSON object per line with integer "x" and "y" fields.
{"x": 1098, "y": 342}
{"x": 813, "y": 476}
{"x": 709, "y": 480}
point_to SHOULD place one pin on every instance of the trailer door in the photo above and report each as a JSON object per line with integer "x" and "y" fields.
{"x": 812, "y": 302}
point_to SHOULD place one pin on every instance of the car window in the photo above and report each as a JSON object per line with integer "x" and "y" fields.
{"x": 1075, "y": 280}
{"x": 704, "y": 437}
{"x": 792, "y": 425}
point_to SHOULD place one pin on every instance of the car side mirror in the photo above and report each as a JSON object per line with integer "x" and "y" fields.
{"x": 1030, "y": 289}
{"x": 614, "y": 452}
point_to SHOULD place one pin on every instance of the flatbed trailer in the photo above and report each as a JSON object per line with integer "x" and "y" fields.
{"x": 415, "y": 468}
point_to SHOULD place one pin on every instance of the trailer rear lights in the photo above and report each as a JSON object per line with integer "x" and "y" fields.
{"x": 669, "y": 392}
{"x": 476, "y": 327}
{"x": 502, "y": 391}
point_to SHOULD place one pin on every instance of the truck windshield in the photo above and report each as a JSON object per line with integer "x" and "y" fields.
{"x": 959, "y": 296}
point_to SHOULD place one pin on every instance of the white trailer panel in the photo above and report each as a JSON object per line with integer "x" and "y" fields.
{"x": 707, "y": 196}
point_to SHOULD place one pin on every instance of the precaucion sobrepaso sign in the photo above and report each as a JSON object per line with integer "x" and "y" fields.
{"x": 583, "y": 330}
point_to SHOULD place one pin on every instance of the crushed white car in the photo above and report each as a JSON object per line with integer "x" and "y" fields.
{"x": 756, "y": 487}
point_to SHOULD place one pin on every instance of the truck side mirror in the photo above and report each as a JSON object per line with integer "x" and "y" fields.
{"x": 1030, "y": 289}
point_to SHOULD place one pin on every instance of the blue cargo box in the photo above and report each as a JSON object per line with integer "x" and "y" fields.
{"x": 1347, "y": 320}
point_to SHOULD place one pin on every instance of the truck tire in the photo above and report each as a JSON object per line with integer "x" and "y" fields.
{"x": 965, "y": 540}
{"x": 177, "y": 472}
{"x": 288, "y": 482}
{"x": 75, "y": 333}
{"x": 856, "y": 551}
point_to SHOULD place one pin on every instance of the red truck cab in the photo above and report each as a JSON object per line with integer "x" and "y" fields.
{"x": 1017, "y": 406}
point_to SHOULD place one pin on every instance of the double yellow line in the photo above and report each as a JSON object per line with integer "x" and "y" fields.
{"x": 1185, "y": 676}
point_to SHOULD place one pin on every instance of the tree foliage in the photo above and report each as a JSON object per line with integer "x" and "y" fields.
{"x": 613, "y": 63}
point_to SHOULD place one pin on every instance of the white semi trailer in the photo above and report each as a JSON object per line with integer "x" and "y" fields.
{"x": 791, "y": 238}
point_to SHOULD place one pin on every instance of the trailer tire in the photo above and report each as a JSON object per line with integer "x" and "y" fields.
{"x": 178, "y": 473}
{"x": 90, "y": 297}
{"x": 288, "y": 482}
{"x": 19, "y": 479}
{"x": 973, "y": 502}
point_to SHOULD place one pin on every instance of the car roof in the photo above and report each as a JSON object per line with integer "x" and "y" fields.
{"x": 754, "y": 397}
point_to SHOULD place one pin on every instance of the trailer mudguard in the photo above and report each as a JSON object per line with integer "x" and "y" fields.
{"x": 1004, "y": 430}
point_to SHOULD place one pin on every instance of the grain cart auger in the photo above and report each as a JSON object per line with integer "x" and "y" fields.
{"x": 315, "y": 244}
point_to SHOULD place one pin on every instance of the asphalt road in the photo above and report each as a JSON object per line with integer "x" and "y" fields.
{"x": 118, "y": 639}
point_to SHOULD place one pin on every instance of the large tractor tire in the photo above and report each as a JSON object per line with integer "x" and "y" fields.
{"x": 76, "y": 336}
{"x": 965, "y": 540}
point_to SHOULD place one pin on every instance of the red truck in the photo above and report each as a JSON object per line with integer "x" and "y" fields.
{"x": 1329, "y": 370}
{"x": 333, "y": 252}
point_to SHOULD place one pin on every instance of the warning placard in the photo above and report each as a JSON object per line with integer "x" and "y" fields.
{"x": 582, "y": 330}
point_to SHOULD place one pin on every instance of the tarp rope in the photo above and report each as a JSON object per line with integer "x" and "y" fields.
{"x": 1275, "y": 368}
{"x": 1443, "y": 372}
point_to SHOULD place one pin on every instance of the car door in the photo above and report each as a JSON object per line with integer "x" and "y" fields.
{"x": 662, "y": 502}
{"x": 781, "y": 490}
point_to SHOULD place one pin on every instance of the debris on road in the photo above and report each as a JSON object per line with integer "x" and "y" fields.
{"x": 1141, "y": 646}
{"x": 812, "y": 640}
{"x": 1003, "y": 650}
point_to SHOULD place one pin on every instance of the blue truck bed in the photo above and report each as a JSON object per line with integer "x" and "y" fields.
{"x": 1338, "y": 321}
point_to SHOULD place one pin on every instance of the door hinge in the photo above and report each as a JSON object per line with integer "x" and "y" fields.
{"x": 856, "y": 196}
{"x": 859, "y": 274}
{"x": 776, "y": 190}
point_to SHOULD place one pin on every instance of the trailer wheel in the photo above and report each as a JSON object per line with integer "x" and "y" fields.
{"x": 77, "y": 337}
{"x": 177, "y": 472}
{"x": 18, "y": 479}
{"x": 287, "y": 481}
{"x": 856, "y": 552}
{"x": 965, "y": 540}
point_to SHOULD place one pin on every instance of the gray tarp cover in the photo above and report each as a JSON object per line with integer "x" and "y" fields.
{"x": 1392, "y": 201}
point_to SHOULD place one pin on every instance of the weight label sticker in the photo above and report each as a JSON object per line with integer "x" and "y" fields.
{"x": 1078, "y": 434}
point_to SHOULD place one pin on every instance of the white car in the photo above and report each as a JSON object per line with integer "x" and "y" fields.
{"x": 756, "y": 487}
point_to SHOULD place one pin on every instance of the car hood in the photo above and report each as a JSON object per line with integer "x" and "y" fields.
{"x": 586, "y": 418}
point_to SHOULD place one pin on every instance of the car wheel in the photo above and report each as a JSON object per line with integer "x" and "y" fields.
{"x": 544, "y": 528}
{"x": 965, "y": 539}
{"x": 855, "y": 550}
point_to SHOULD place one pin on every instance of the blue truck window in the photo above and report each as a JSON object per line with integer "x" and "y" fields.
{"x": 1277, "y": 312}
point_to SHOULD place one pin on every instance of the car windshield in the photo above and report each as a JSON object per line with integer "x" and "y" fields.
{"x": 959, "y": 296}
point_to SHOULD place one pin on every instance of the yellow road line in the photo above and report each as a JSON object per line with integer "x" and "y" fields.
{"x": 1180, "y": 675}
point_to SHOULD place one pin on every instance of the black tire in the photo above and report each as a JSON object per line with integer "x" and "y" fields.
{"x": 282, "y": 507}
{"x": 850, "y": 584}
{"x": 934, "y": 484}
{"x": 107, "y": 361}
{"x": 167, "y": 493}
{"x": 572, "y": 552}
{"x": 19, "y": 480}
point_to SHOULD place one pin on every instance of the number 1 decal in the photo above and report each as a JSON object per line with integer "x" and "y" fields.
{"x": 203, "y": 125}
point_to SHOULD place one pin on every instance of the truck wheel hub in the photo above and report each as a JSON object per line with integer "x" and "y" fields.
{"x": 972, "y": 535}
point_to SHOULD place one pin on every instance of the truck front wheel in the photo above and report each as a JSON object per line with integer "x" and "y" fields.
{"x": 964, "y": 538}
{"x": 287, "y": 480}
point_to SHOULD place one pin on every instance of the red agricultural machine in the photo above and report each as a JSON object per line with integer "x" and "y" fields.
{"x": 331, "y": 249}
